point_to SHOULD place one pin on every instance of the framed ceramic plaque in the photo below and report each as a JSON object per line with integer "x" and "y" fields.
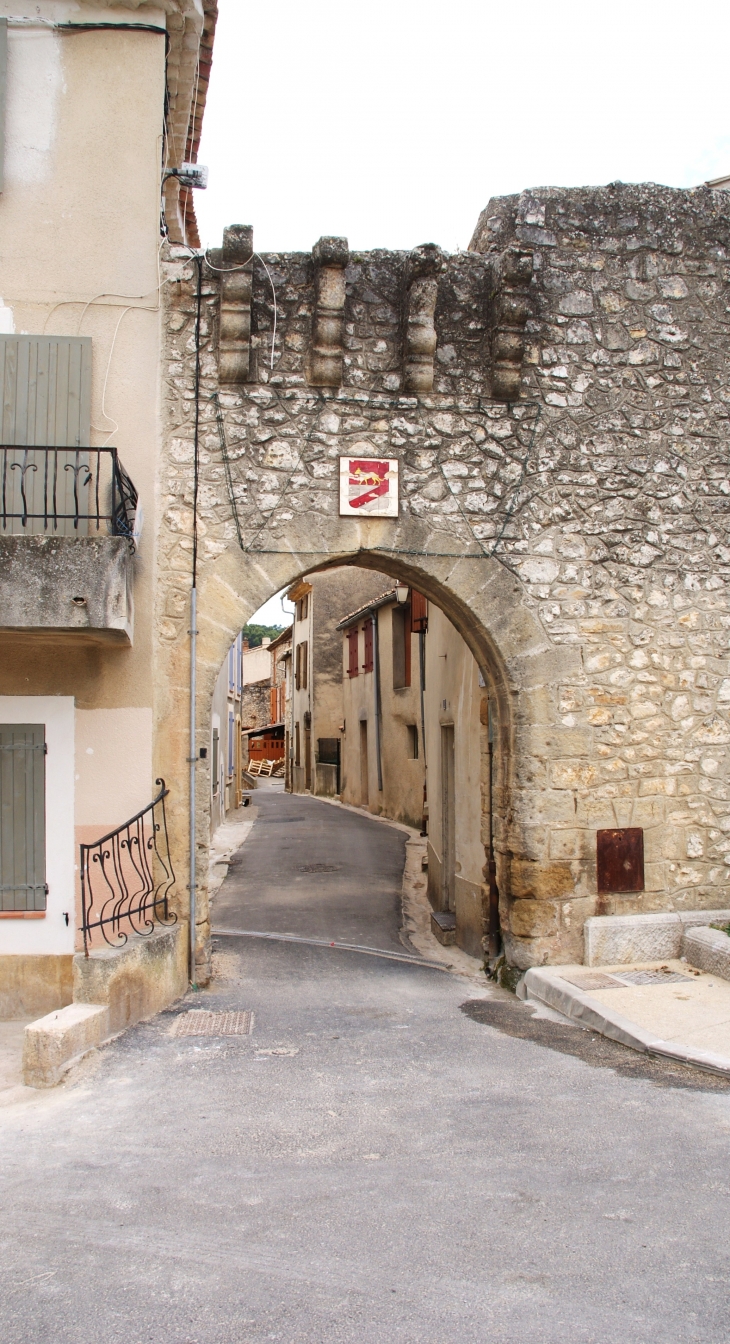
{"x": 369, "y": 487}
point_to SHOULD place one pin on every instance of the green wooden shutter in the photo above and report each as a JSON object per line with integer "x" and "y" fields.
{"x": 45, "y": 385}
{"x": 22, "y": 816}
{"x": 46, "y": 390}
{"x": 3, "y": 94}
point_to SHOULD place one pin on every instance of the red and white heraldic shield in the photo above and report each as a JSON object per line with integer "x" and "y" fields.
{"x": 369, "y": 487}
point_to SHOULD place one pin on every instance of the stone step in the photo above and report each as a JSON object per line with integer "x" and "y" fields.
{"x": 443, "y": 927}
{"x": 59, "y": 1039}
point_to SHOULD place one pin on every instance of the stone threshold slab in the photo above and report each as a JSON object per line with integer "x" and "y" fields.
{"x": 617, "y": 1012}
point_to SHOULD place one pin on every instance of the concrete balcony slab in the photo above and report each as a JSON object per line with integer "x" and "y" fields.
{"x": 78, "y": 587}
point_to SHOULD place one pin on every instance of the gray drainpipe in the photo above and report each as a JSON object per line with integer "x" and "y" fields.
{"x": 376, "y": 681}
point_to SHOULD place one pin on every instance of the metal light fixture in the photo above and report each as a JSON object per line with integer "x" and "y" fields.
{"x": 189, "y": 175}
{"x": 401, "y": 594}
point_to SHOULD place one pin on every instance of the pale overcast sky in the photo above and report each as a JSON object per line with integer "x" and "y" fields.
{"x": 392, "y": 122}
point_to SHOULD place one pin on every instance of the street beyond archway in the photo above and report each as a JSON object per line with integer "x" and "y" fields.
{"x": 394, "y": 1153}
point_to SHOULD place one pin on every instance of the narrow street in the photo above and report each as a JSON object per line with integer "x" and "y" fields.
{"x": 393, "y": 1154}
{"x": 301, "y": 872}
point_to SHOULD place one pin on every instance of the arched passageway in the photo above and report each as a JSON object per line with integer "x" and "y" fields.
{"x": 479, "y": 598}
{"x": 550, "y": 503}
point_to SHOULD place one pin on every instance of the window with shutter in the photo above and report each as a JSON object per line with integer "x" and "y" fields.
{"x": 401, "y": 633}
{"x": 46, "y": 387}
{"x": 273, "y": 705}
{"x": 368, "y": 632}
{"x": 353, "y": 641}
{"x": 305, "y": 663}
{"x": 3, "y": 88}
{"x": 215, "y": 762}
{"x": 45, "y": 391}
{"x": 419, "y": 612}
{"x": 22, "y": 817}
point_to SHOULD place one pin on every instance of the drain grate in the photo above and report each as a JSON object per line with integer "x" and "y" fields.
{"x": 590, "y": 980}
{"x": 650, "y": 977}
{"x": 201, "y": 1022}
{"x": 320, "y": 867}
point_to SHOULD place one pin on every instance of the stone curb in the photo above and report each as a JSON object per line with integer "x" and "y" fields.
{"x": 615, "y": 940}
{"x": 548, "y": 987}
{"x": 708, "y": 950}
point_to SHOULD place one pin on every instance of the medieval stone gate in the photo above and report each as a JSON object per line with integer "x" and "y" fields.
{"x": 557, "y": 402}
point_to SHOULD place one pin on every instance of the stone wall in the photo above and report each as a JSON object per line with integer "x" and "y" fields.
{"x": 564, "y": 496}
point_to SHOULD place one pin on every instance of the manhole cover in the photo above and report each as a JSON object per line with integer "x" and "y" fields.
{"x": 320, "y": 867}
{"x": 650, "y": 977}
{"x": 201, "y": 1022}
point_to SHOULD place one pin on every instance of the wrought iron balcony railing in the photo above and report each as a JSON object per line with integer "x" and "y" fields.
{"x": 68, "y": 491}
{"x": 127, "y": 877}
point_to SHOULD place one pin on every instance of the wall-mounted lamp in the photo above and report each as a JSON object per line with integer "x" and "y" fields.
{"x": 401, "y": 594}
{"x": 189, "y": 175}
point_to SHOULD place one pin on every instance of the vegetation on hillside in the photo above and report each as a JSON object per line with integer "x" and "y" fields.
{"x": 256, "y": 633}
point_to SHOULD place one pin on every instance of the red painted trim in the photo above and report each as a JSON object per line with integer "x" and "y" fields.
{"x": 22, "y": 914}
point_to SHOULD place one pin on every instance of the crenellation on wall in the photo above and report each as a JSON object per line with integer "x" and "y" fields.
{"x": 330, "y": 257}
{"x": 234, "y": 264}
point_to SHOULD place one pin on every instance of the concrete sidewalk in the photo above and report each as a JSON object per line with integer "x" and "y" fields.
{"x": 663, "y": 1008}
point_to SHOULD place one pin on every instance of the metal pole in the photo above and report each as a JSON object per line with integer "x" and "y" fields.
{"x": 493, "y": 929}
{"x": 192, "y": 759}
{"x": 422, "y": 678}
{"x": 376, "y": 666}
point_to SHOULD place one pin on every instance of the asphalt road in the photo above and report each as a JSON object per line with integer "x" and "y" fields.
{"x": 390, "y": 1158}
{"x": 316, "y": 870}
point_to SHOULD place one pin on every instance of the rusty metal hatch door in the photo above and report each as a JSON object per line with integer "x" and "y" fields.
{"x": 620, "y": 859}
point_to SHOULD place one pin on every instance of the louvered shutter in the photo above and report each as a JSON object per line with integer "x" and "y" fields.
{"x": 22, "y": 817}
{"x": 368, "y": 632}
{"x": 231, "y": 741}
{"x": 419, "y": 612}
{"x": 352, "y": 652}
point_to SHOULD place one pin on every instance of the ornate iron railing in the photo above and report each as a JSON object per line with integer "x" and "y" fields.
{"x": 70, "y": 491}
{"x": 127, "y": 876}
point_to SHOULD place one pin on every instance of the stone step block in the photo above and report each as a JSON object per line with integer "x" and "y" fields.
{"x": 443, "y": 927}
{"x": 57, "y": 1040}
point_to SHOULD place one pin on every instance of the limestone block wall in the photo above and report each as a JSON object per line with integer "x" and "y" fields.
{"x": 571, "y": 522}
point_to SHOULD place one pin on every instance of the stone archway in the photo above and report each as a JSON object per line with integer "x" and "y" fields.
{"x": 482, "y": 600}
{"x": 556, "y": 399}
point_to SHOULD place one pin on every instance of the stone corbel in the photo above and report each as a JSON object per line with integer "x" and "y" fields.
{"x": 330, "y": 257}
{"x": 236, "y": 263}
{"x": 424, "y": 264}
{"x": 510, "y": 311}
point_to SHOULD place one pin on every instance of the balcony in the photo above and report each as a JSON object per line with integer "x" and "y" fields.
{"x": 67, "y": 536}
